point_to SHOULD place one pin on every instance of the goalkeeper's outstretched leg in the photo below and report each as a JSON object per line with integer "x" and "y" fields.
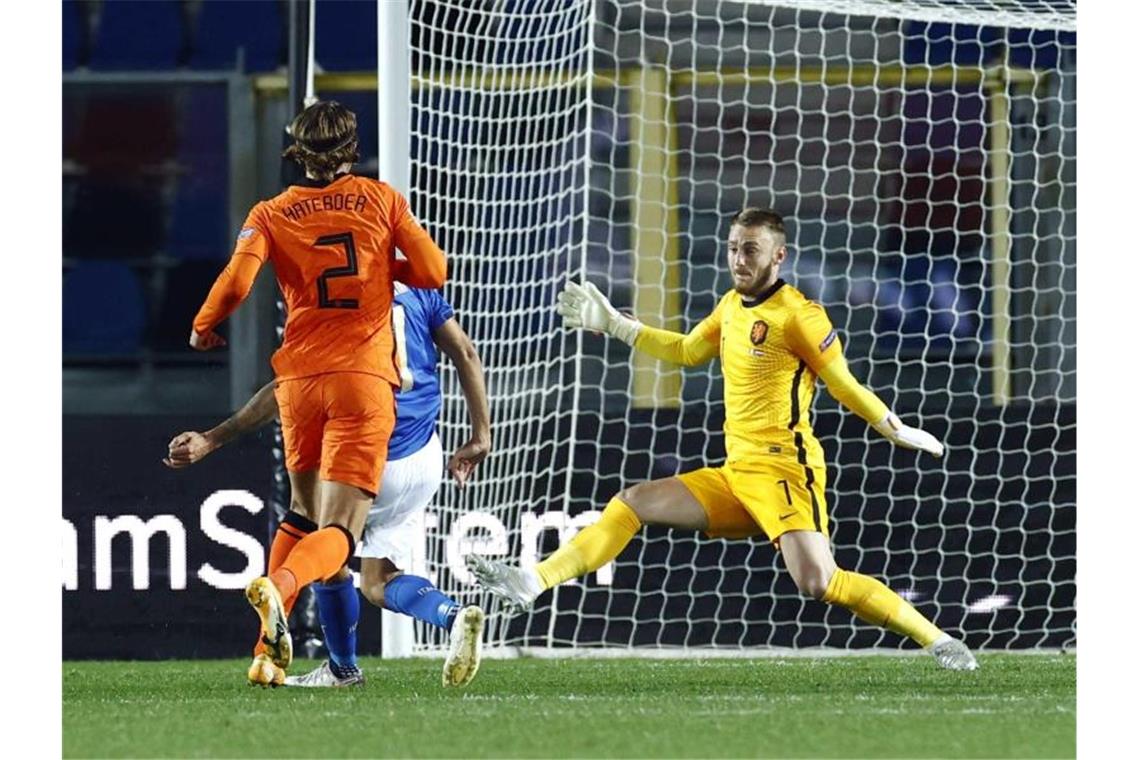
{"x": 703, "y": 500}
{"x": 810, "y": 561}
{"x": 664, "y": 502}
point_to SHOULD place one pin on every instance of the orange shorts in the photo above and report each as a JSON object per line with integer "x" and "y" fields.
{"x": 340, "y": 422}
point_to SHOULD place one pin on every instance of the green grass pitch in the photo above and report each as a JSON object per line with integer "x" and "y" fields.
{"x": 871, "y": 706}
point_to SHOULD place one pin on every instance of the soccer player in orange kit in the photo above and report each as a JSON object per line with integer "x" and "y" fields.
{"x": 332, "y": 239}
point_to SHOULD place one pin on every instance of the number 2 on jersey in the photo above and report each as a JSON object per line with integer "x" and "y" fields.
{"x": 349, "y": 270}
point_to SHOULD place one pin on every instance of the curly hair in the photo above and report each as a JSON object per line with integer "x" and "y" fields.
{"x": 324, "y": 137}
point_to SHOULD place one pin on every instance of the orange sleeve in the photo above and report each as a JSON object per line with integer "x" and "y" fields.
{"x": 236, "y": 280}
{"x": 812, "y": 337}
{"x": 425, "y": 266}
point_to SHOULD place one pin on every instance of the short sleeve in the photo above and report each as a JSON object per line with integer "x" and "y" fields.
{"x": 811, "y": 336}
{"x": 439, "y": 310}
{"x": 253, "y": 238}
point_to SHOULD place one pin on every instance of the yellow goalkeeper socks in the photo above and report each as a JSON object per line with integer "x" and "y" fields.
{"x": 873, "y": 602}
{"x": 594, "y": 546}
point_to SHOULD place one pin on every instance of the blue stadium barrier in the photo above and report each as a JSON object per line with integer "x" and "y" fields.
{"x": 133, "y": 35}
{"x": 104, "y": 310}
{"x": 255, "y": 26}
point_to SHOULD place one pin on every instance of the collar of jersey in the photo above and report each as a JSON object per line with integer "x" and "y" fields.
{"x": 320, "y": 183}
{"x": 749, "y": 303}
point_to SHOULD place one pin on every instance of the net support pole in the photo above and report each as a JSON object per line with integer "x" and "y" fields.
{"x": 1000, "y": 242}
{"x": 393, "y": 93}
{"x": 656, "y": 265}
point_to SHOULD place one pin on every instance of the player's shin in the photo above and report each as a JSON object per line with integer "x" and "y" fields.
{"x": 318, "y": 556}
{"x": 871, "y": 601}
{"x": 416, "y": 597}
{"x": 594, "y": 546}
{"x": 338, "y": 607}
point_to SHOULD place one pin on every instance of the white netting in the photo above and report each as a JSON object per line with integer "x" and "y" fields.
{"x": 927, "y": 174}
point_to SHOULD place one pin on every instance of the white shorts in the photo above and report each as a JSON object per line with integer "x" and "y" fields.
{"x": 408, "y": 486}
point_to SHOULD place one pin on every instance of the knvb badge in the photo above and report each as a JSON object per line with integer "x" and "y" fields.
{"x": 759, "y": 332}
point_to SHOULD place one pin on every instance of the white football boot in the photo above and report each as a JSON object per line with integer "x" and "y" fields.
{"x": 466, "y": 648}
{"x": 324, "y": 678}
{"x": 515, "y": 587}
{"x": 952, "y": 654}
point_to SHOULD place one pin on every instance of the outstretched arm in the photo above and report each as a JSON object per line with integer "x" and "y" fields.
{"x": 454, "y": 342}
{"x": 585, "y": 307}
{"x": 190, "y": 447}
{"x": 810, "y": 335}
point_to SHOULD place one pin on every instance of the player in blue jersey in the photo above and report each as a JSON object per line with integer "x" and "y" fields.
{"x": 422, "y": 321}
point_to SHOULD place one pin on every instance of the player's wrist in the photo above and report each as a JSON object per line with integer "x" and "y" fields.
{"x": 625, "y": 329}
{"x": 889, "y": 426}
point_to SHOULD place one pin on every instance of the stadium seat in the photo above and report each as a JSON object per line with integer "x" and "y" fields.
{"x": 104, "y": 310}
{"x": 133, "y": 35}
{"x": 113, "y": 219}
{"x": 186, "y": 288}
{"x": 939, "y": 44}
{"x": 120, "y": 132}
{"x": 203, "y": 133}
{"x": 255, "y": 26}
{"x": 73, "y": 33}
{"x": 199, "y": 221}
{"x": 346, "y": 35}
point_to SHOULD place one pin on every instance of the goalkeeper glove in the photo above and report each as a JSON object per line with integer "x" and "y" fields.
{"x": 585, "y": 307}
{"x": 891, "y": 428}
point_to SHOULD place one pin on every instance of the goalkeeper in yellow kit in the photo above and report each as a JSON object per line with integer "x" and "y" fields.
{"x": 773, "y": 343}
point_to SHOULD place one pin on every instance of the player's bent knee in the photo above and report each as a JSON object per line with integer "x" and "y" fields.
{"x": 374, "y": 593}
{"x": 637, "y": 498}
{"x": 814, "y": 582}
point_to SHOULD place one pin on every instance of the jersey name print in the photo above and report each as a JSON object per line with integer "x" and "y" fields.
{"x": 333, "y": 249}
{"x": 302, "y": 207}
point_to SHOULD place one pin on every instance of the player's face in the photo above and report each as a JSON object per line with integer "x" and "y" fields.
{"x": 754, "y": 258}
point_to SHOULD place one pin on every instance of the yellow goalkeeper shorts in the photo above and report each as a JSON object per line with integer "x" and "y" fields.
{"x": 773, "y": 498}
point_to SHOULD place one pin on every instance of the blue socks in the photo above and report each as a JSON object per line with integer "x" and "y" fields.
{"x": 417, "y": 597}
{"x": 338, "y": 607}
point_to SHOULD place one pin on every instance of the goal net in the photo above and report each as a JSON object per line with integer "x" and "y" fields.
{"x": 923, "y": 155}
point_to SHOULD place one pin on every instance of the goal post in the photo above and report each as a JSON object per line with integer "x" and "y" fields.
{"x": 923, "y": 155}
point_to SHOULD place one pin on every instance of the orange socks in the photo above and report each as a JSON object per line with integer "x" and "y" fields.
{"x": 317, "y": 556}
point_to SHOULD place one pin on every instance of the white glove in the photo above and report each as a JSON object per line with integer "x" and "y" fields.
{"x": 892, "y": 429}
{"x": 585, "y": 307}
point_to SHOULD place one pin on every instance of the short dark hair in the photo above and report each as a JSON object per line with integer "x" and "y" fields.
{"x": 751, "y": 216}
{"x": 325, "y": 138}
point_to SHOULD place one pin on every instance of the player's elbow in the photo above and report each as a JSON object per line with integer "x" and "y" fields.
{"x": 435, "y": 271}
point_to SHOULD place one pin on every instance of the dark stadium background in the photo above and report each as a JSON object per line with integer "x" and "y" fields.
{"x": 155, "y": 183}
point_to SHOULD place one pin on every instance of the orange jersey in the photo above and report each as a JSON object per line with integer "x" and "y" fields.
{"x": 333, "y": 248}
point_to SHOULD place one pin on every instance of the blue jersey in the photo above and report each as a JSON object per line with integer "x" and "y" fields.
{"x": 416, "y": 314}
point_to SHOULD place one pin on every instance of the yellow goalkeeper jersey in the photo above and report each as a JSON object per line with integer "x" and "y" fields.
{"x": 772, "y": 349}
